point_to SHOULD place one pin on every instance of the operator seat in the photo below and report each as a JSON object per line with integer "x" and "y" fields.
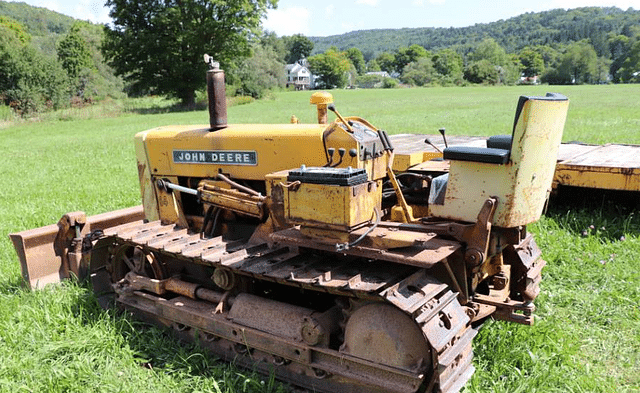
{"x": 517, "y": 169}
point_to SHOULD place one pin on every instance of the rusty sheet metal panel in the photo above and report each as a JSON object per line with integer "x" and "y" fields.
{"x": 42, "y": 263}
{"x": 420, "y": 255}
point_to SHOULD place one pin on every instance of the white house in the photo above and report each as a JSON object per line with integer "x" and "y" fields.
{"x": 383, "y": 74}
{"x": 298, "y": 75}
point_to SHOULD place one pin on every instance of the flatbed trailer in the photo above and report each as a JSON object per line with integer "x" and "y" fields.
{"x": 606, "y": 167}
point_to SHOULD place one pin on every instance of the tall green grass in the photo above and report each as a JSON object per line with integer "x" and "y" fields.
{"x": 586, "y": 338}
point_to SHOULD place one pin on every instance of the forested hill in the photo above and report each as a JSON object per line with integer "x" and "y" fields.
{"x": 38, "y": 21}
{"x": 46, "y": 27}
{"x": 543, "y": 28}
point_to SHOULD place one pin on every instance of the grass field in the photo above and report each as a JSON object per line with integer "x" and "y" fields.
{"x": 586, "y": 338}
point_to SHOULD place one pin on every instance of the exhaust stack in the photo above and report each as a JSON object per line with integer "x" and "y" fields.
{"x": 217, "y": 95}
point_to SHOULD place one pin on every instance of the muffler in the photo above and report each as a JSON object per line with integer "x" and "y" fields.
{"x": 216, "y": 93}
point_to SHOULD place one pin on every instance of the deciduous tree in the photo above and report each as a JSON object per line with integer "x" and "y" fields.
{"x": 491, "y": 64}
{"x": 73, "y": 52}
{"x": 418, "y": 73}
{"x": 532, "y": 62}
{"x": 448, "y": 64}
{"x": 579, "y": 62}
{"x": 404, "y": 56}
{"x": 386, "y": 61}
{"x": 489, "y": 50}
{"x": 357, "y": 59}
{"x": 29, "y": 81}
{"x": 331, "y": 68}
{"x": 260, "y": 72}
{"x": 298, "y": 47}
{"x": 157, "y": 46}
{"x": 630, "y": 70}
{"x": 482, "y": 71}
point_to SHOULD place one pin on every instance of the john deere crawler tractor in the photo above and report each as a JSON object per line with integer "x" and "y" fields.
{"x": 294, "y": 249}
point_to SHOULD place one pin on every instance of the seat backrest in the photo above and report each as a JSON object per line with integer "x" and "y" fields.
{"x": 500, "y": 142}
{"x": 536, "y": 138}
{"x": 537, "y": 133}
{"x": 523, "y": 182}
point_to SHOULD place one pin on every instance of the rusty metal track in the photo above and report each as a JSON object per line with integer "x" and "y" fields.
{"x": 431, "y": 304}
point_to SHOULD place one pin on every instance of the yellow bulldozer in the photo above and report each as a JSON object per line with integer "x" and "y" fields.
{"x": 295, "y": 249}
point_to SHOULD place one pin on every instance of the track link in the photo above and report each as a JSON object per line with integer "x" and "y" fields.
{"x": 430, "y": 303}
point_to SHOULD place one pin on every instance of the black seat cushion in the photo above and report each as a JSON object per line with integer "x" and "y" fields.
{"x": 477, "y": 154}
{"x": 500, "y": 142}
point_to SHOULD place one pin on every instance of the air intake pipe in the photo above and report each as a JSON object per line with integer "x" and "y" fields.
{"x": 217, "y": 95}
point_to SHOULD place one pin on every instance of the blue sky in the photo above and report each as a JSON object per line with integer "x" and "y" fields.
{"x": 314, "y": 18}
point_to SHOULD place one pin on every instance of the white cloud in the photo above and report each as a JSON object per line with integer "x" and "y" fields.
{"x": 371, "y": 3}
{"x": 288, "y": 21}
{"x": 329, "y": 10}
{"x": 52, "y": 5}
{"x": 420, "y": 3}
{"x": 350, "y": 26}
{"x": 91, "y": 10}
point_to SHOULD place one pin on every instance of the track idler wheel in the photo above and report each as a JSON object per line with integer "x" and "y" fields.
{"x": 108, "y": 269}
{"x": 384, "y": 334}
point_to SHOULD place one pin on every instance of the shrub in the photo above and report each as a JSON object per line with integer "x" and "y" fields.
{"x": 389, "y": 83}
{"x": 6, "y": 113}
{"x": 369, "y": 81}
{"x": 29, "y": 81}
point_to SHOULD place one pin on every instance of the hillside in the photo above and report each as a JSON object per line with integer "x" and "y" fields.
{"x": 75, "y": 74}
{"x": 46, "y": 27}
{"x": 543, "y": 28}
{"x": 38, "y": 21}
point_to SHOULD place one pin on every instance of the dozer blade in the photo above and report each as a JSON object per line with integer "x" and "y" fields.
{"x": 54, "y": 252}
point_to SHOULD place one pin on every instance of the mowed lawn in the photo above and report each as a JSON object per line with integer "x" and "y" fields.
{"x": 586, "y": 337}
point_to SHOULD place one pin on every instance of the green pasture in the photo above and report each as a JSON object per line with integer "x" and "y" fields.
{"x": 586, "y": 337}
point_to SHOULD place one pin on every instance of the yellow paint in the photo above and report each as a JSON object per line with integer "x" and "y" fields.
{"x": 523, "y": 184}
{"x": 170, "y": 205}
{"x": 598, "y": 177}
{"x": 277, "y": 147}
{"x": 402, "y": 162}
{"x": 407, "y": 213}
{"x": 339, "y": 207}
{"x": 321, "y": 98}
{"x": 250, "y": 152}
{"x": 231, "y": 199}
{"x": 147, "y": 189}
{"x": 397, "y": 213}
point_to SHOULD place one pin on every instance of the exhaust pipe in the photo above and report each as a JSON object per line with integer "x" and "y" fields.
{"x": 217, "y": 95}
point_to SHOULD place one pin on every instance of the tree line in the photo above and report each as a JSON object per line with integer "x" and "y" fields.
{"x": 530, "y": 29}
{"x": 49, "y": 61}
{"x": 488, "y": 63}
{"x": 585, "y": 45}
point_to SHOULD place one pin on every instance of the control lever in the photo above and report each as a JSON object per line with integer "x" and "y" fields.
{"x": 332, "y": 108}
{"x": 442, "y": 130}
{"x": 341, "y": 153}
{"x": 331, "y": 151}
{"x": 428, "y": 142}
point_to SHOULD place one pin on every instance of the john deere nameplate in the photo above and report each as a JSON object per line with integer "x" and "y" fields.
{"x": 220, "y": 157}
